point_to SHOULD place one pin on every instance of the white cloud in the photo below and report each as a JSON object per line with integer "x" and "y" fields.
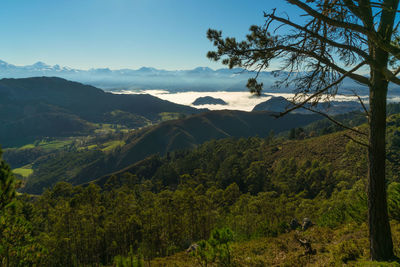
{"x": 236, "y": 100}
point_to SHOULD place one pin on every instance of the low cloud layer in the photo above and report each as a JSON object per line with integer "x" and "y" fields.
{"x": 235, "y": 100}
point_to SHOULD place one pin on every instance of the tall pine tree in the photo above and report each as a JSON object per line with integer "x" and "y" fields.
{"x": 333, "y": 41}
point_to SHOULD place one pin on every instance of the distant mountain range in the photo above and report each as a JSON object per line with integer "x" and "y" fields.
{"x": 198, "y": 79}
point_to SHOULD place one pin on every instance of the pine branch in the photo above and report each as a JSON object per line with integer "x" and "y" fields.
{"x": 328, "y": 20}
{"x": 359, "y": 78}
{"x": 335, "y": 121}
{"x": 319, "y": 37}
{"x": 362, "y": 104}
{"x": 370, "y": 33}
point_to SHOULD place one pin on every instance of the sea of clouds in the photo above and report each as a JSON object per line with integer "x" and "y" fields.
{"x": 235, "y": 100}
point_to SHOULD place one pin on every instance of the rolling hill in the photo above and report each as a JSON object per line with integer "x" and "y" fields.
{"x": 32, "y": 108}
{"x": 280, "y": 104}
{"x": 208, "y": 100}
{"x": 194, "y": 130}
{"x": 80, "y": 167}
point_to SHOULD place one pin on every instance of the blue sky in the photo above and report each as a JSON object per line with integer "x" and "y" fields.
{"x": 167, "y": 34}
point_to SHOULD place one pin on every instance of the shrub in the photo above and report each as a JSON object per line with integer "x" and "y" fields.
{"x": 216, "y": 249}
{"x": 347, "y": 251}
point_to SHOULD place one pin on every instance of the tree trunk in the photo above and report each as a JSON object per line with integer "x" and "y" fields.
{"x": 381, "y": 244}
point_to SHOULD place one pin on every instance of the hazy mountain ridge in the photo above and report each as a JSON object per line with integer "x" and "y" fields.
{"x": 197, "y": 79}
{"x": 281, "y": 104}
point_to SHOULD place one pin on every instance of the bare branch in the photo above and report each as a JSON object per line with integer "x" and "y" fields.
{"x": 371, "y": 33}
{"x": 396, "y": 71}
{"x": 359, "y": 78}
{"x": 328, "y": 20}
{"x": 323, "y": 90}
{"x": 335, "y": 121}
{"x": 390, "y": 76}
{"x": 363, "y": 11}
{"x": 356, "y": 141}
{"x": 319, "y": 37}
{"x": 362, "y": 104}
{"x": 381, "y": 6}
{"x": 385, "y": 27}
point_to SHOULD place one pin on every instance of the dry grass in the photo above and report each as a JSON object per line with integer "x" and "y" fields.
{"x": 345, "y": 246}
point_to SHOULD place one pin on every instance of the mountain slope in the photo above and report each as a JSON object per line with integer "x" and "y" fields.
{"x": 197, "y": 129}
{"x": 280, "y": 104}
{"x": 208, "y": 100}
{"x": 331, "y": 147}
{"x": 160, "y": 139}
{"x": 26, "y": 104}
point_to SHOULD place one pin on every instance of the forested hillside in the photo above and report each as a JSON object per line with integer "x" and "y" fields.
{"x": 225, "y": 181}
{"x": 252, "y": 186}
{"x": 280, "y": 104}
{"x": 80, "y": 162}
{"x": 274, "y": 143}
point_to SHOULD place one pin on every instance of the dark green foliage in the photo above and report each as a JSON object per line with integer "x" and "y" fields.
{"x": 131, "y": 260}
{"x": 204, "y": 253}
{"x": 351, "y": 119}
{"x": 18, "y": 247}
{"x": 344, "y": 206}
{"x": 164, "y": 204}
{"x": 216, "y": 249}
{"x": 56, "y": 124}
{"x": 7, "y": 185}
{"x": 59, "y": 167}
{"x": 393, "y": 146}
{"x": 125, "y": 118}
{"x": 325, "y": 126}
{"x": 221, "y": 163}
{"x": 347, "y": 251}
{"x": 20, "y": 157}
{"x": 394, "y": 200}
{"x": 161, "y": 205}
{"x": 393, "y": 108}
{"x": 159, "y": 139}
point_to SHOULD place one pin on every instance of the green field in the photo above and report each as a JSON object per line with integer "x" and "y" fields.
{"x": 24, "y": 171}
{"x": 104, "y": 128}
{"x": 166, "y": 116}
{"x": 49, "y": 144}
{"x": 112, "y": 145}
{"x": 28, "y": 146}
{"x": 54, "y": 145}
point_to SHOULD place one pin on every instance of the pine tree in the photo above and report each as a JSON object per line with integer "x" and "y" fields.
{"x": 7, "y": 185}
{"x": 333, "y": 42}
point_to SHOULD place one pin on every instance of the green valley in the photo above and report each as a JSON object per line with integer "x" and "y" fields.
{"x": 200, "y": 133}
{"x": 151, "y": 211}
{"x": 132, "y": 190}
